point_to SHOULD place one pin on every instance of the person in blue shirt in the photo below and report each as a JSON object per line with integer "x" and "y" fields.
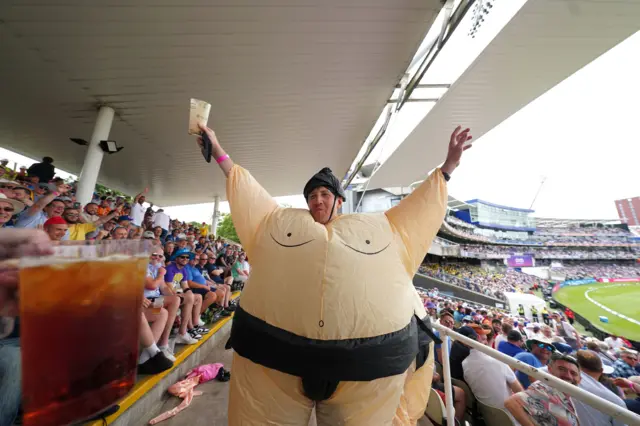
{"x": 199, "y": 285}
{"x": 541, "y": 349}
{"x": 513, "y": 345}
{"x": 446, "y": 319}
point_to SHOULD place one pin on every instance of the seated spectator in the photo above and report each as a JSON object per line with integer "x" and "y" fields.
{"x": 513, "y": 345}
{"x": 446, "y": 320}
{"x": 161, "y": 220}
{"x": 237, "y": 269}
{"x": 152, "y": 360}
{"x": 624, "y": 367}
{"x": 154, "y": 289}
{"x": 490, "y": 380}
{"x": 591, "y": 374}
{"x": 460, "y": 351}
{"x": 540, "y": 351}
{"x": 169, "y": 248}
{"x": 459, "y": 396}
{"x": 615, "y": 342}
{"x": 198, "y": 285}
{"x": 542, "y": 405}
{"x": 8, "y": 208}
{"x": 215, "y": 282}
{"x": 56, "y": 228}
{"x": 178, "y": 285}
{"x": 505, "y": 328}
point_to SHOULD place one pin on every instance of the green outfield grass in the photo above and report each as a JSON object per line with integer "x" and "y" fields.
{"x": 623, "y": 298}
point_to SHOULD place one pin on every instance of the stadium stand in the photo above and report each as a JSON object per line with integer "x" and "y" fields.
{"x": 186, "y": 259}
{"x": 212, "y": 268}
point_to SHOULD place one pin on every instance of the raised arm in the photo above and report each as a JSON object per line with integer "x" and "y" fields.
{"x": 249, "y": 202}
{"x": 417, "y": 218}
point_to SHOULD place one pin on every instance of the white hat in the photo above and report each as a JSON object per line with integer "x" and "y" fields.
{"x": 17, "y": 205}
{"x": 607, "y": 369}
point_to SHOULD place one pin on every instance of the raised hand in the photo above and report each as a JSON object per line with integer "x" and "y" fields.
{"x": 456, "y": 148}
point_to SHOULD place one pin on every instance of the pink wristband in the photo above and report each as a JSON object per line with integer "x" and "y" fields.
{"x": 221, "y": 158}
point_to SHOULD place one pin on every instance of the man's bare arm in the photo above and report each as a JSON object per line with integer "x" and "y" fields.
{"x": 514, "y": 406}
{"x": 218, "y": 152}
{"x": 105, "y": 219}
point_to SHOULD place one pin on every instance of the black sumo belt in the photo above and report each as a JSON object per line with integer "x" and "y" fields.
{"x": 322, "y": 364}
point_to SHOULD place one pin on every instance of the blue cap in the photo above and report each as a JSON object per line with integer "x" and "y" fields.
{"x": 129, "y": 218}
{"x": 182, "y": 252}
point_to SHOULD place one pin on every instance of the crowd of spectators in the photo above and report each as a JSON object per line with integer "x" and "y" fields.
{"x": 560, "y": 236}
{"x": 482, "y": 251}
{"x": 574, "y": 272}
{"x": 492, "y": 283}
{"x": 609, "y": 369}
{"x": 190, "y": 274}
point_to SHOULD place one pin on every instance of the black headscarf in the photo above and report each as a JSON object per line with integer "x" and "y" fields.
{"x": 326, "y": 178}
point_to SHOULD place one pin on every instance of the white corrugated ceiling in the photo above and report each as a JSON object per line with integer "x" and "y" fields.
{"x": 544, "y": 43}
{"x": 295, "y": 85}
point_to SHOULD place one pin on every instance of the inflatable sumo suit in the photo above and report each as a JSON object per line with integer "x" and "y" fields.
{"x": 330, "y": 317}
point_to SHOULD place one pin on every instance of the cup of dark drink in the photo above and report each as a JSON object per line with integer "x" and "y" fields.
{"x": 79, "y": 322}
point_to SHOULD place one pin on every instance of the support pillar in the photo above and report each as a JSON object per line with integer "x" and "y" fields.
{"x": 216, "y": 215}
{"x": 93, "y": 158}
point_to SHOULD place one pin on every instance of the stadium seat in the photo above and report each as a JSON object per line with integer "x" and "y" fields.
{"x": 435, "y": 409}
{"x": 494, "y": 416}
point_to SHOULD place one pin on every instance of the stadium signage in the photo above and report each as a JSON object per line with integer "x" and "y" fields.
{"x": 618, "y": 280}
{"x": 578, "y": 282}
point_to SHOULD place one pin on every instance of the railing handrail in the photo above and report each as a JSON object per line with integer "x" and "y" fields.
{"x": 615, "y": 411}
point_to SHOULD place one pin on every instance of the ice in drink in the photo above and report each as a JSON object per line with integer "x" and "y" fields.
{"x": 79, "y": 335}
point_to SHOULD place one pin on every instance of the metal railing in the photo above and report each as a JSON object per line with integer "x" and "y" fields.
{"x": 618, "y": 413}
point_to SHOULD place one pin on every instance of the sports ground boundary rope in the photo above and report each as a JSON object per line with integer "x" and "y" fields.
{"x": 600, "y": 305}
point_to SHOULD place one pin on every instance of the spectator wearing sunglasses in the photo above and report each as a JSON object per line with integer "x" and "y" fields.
{"x": 8, "y": 208}
{"x": 177, "y": 284}
{"x": 540, "y": 350}
{"x": 624, "y": 367}
{"x": 542, "y": 405}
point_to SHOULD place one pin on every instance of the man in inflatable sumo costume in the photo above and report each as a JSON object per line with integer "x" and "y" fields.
{"x": 329, "y": 317}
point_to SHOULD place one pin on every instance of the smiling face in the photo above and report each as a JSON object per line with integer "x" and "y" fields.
{"x": 339, "y": 278}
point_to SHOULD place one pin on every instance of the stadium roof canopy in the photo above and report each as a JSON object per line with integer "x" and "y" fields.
{"x": 295, "y": 85}
{"x": 543, "y": 44}
{"x": 455, "y": 204}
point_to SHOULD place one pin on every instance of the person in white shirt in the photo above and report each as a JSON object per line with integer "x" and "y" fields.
{"x": 490, "y": 380}
{"x": 137, "y": 210}
{"x": 614, "y": 342}
{"x": 162, "y": 220}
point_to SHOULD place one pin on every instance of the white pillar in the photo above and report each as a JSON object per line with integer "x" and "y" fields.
{"x": 93, "y": 158}
{"x": 216, "y": 215}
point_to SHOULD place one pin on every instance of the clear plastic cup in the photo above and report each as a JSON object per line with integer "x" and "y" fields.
{"x": 80, "y": 314}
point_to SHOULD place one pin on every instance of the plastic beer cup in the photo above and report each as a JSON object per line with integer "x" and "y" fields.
{"x": 80, "y": 314}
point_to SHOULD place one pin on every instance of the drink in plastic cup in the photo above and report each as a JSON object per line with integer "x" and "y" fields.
{"x": 158, "y": 303}
{"x": 79, "y": 321}
{"x": 198, "y": 113}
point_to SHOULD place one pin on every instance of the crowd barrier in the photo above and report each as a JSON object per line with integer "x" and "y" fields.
{"x": 618, "y": 413}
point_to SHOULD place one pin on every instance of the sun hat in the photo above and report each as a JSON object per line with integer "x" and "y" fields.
{"x": 182, "y": 252}
{"x": 18, "y": 206}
